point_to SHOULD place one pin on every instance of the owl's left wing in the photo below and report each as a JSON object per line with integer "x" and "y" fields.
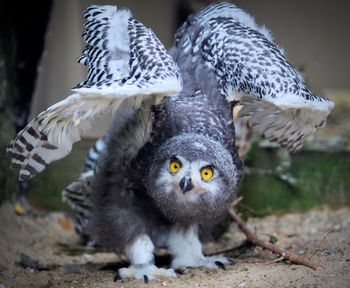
{"x": 126, "y": 65}
{"x": 222, "y": 51}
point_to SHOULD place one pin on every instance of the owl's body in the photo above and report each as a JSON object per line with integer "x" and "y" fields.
{"x": 127, "y": 185}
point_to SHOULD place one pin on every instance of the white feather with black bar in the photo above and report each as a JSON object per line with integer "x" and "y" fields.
{"x": 126, "y": 64}
{"x": 226, "y": 44}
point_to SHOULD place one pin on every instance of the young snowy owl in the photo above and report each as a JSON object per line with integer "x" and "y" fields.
{"x": 168, "y": 167}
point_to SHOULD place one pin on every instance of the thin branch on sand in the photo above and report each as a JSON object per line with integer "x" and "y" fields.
{"x": 252, "y": 238}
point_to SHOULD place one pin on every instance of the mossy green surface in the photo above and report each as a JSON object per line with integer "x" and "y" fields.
{"x": 45, "y": 189}
{"x": 322, "y": 177}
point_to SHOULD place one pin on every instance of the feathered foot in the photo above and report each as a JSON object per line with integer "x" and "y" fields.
{"x": 211, "y": 262}
{"x": 144, "y": 272}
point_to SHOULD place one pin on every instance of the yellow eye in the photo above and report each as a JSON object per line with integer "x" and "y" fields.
{"x": 174, "y": 166}
{"x": 207, "y": 173}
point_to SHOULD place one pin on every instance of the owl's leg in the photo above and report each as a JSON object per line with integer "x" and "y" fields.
{"x": 186, "y": 250}
{"x": 140, "y": 254}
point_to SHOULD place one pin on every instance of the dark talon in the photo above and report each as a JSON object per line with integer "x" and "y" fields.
{"x": 145, "y": 279}
{"x": 179, "y": 271}
{"x": 220, "y": 265}
{"x": 116, "y": 277}
{"x": 232, "y": 261}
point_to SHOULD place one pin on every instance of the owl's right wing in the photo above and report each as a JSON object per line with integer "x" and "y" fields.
{"x": 223, "y": 52}
{"x": 127, "y": 64}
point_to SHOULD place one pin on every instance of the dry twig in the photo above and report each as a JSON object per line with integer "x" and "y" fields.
{"x": 252, "y": 238}
{"x": 321, "y": 241}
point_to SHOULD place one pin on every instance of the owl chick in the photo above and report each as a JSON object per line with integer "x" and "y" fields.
{"x": 159, "y": 195}
{"x": 169, "y": 165}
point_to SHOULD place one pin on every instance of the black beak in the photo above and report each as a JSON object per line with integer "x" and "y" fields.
{"x": 186, "y": 184}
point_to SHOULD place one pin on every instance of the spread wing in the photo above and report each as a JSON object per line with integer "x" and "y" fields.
{"x": 229, "y": 54}
{"x": 126, "y": 65}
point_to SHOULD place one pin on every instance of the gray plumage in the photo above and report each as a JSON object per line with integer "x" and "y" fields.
{"x": 94, "y": 154}
{"x": 129, "y": 202}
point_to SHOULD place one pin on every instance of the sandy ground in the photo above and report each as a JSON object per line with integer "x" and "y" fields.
{"x": 323, "y": 233}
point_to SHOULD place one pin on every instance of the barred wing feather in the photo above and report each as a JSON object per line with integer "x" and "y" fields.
{"x": 126, "y": 65}
{"x": 226, "y": 45}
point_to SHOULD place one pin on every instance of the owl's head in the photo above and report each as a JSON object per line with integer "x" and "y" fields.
{"x": 193, "y": 178}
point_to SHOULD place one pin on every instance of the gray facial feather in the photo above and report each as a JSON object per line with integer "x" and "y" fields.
{"x": 207, "y": 207}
